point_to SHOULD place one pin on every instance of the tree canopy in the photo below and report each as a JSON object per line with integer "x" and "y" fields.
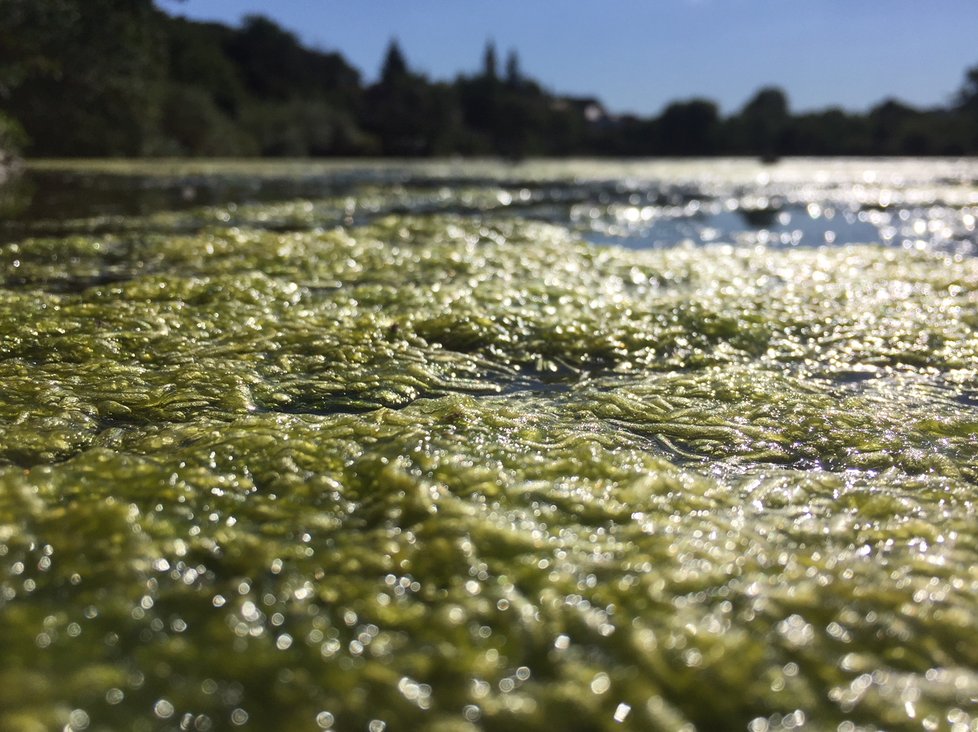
{"x": 122, "y": 77}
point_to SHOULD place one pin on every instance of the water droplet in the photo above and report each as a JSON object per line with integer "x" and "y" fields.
{"x": 78, "y": 719}
{"x": 114, "y": 696}
{"x": 239, "y": 717}
{"x": 600, "y": 683}
{"x": 621, "y": 713}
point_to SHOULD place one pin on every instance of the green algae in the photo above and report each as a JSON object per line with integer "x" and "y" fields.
{"x": 470, "y": 473}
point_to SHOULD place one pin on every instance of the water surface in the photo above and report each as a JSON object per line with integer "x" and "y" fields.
{"x": 458, "y": 446}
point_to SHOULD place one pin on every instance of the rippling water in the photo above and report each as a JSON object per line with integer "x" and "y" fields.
{"x": 586, "y": 445}
{"x": 921, "y": 204}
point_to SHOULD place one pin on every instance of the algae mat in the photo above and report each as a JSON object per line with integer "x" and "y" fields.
{"x": 467, "y": 472}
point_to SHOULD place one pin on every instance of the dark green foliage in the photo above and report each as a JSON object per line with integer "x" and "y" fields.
{"x": 12, "y": 137}
{"x": 514, "y": 76}
{"x": 689, "y": 128}
{"x": 409, "y": 115}
{"x": 968, "y": 95}
{"x": 83, "y": 78}
{"x": 196, "y": 58}
{"x": 194, "y": 124}
{"x": 123, "y": 78}
{"x": 274, "y": 65}
{"x": 489, "y": 62}
{"x": 256, "y": 90}
{"x": 395, "y": 67}
{"x": 762, "y": 125}
{"x": 967, "y": 107}
{"x": 830, "y": 132}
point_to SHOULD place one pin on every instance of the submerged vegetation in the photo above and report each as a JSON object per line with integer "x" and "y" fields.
{"x": 461, "y": 470}
{"x": 124, "y": 78}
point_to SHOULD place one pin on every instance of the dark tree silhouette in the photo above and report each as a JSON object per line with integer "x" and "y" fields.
{"x": 83, "y": 76}
{"x": 689, "y": 128}
{"x": 489, "y": 62}
{"x": 761, "y": 126}
{"x": 395, "y": 68}
{"x": 514, "y": 75}
{"x": 967, "y": 98}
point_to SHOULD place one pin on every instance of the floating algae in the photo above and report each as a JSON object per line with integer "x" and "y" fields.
{"x": 457, "y": 473}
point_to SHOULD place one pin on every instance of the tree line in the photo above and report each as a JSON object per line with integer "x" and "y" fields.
{"x": 125, "y": 78}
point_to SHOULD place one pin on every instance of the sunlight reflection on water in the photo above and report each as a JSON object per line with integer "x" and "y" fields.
{"x": 910, "y": 203}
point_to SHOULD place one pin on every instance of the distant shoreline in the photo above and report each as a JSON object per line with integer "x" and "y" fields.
{"x": 204, "y": 165}
{"x": 132, "y": 80}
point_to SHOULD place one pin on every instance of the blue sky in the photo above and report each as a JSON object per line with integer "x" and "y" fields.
{"x": 637, "y": 55}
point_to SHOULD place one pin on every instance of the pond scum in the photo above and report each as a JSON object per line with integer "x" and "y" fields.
{"x": 458, "y": 473}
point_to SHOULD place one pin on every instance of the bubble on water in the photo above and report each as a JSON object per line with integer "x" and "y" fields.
{"x": 78, "y": 719}
{"x": 600, "y": 683}
{"x": 114, "y": 696}
{"x": 239, "y": 717}
{"x": 794, "y": 719}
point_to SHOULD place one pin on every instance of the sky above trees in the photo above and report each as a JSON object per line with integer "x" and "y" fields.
{"x": 639, "y": 55}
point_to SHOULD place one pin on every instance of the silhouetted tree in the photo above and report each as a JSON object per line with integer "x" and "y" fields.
{"x": 395, "y": 68}
{"x": 12, "y": 138}
{"x": 274, "y": 64}
{"x": 892, "y": 125}
{"x": 255, "y": 90}
{"x": 83, "y": 76}
{"x": 409, "y": 115}
{"x": 760, "y": 127}
{"x": 830, "y": 132}
{"x": 197, "y": 58}
{"x": 489, "y": 62}
{"x": 514, "y": 76}
{"x": 967, "y": 97}
{"x": 266, "y": 55}
{"x": 689, "y": 128}
{"x": 967, "y": 108}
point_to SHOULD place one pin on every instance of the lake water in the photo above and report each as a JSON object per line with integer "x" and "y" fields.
{"x": 633, "y": 204}
{"x": 467, "y": 445}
